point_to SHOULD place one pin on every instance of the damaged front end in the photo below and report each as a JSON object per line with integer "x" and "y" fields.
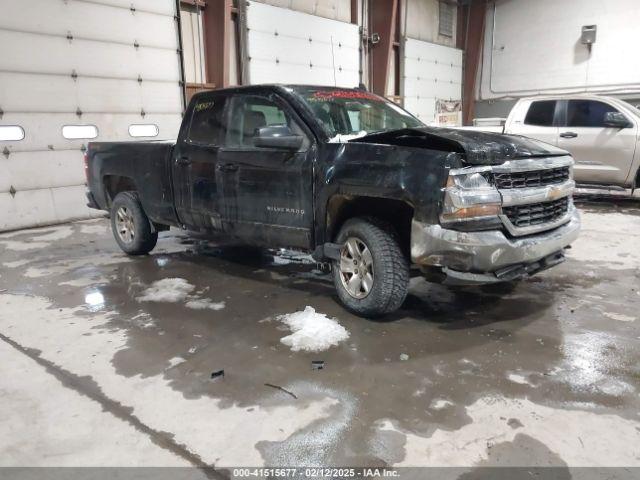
{"x": 500, "y": 222}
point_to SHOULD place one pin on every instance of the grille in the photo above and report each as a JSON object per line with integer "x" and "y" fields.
{"x": 536, "y": 178}
{"x": 536, "y": 213}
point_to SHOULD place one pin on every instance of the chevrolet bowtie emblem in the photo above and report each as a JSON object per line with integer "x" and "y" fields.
{"x": 554, "y": 192}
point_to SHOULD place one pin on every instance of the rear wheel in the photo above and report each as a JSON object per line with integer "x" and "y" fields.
{"x": 372, "y": 276}
{"x": 131, "y": 226}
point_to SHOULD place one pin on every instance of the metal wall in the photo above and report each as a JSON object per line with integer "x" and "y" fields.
{"x": 432, "y": 72}
{"x": 333, "y": 9}
{"x": 534, "y": 48}
{"x": 108, "y": 64}
{"x": 193, "y": 44}
{"x": 422, "y": 22}
{"x": 286, "y": 46}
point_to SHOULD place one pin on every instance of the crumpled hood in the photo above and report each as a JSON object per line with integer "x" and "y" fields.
{"x": 478, "y": 148}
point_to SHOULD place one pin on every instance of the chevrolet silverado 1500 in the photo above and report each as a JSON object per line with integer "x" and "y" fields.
{"x": 352, "y": 178}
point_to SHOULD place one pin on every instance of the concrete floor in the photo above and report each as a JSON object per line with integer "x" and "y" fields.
{"x": 545, "y": 374}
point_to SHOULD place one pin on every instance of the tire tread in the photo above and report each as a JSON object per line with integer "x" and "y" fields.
{"x": 145, "y": 239}
{"x": 394, "y": 286}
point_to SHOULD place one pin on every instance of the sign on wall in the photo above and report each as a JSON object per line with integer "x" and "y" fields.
{"x": 448, "y": 113}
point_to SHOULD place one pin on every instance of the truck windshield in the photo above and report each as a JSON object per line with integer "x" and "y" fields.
{"x": 347, "y": 114}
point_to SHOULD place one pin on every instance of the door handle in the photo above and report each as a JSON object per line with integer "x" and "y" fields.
{"x": 183, "y": 161}
{"x": 227, "y": 167}
{"x": 568, "y": 134}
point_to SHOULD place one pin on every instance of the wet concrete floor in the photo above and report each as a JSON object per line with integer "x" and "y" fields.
{"x": 545, "y": 373}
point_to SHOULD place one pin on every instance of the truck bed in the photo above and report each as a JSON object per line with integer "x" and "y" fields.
{"x": 142, "y": 164}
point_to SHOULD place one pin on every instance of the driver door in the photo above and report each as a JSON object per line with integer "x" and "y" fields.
{"x": 266, "y": 193}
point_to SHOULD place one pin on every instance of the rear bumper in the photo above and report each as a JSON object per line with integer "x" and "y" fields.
{"x": 489, "y": 256}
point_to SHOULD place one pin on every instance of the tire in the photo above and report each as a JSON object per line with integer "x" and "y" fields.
{"x": 131, "y": 226}
{"x": 383, "y": 273}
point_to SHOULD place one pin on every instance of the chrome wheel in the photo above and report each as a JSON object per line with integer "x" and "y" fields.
{"x": 356, "y": 268}
{"x": 124, "y": 224}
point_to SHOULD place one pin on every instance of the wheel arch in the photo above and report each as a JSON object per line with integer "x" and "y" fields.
{"x": 398, "y": 213}
{"x": 115, "y": 184}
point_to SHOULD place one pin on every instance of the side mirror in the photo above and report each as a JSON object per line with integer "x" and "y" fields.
{"x": 278, "y": 137}
{"x": 616, "y": 120}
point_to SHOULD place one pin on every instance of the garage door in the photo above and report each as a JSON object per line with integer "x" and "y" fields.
{"x": 74, "y": 71}
{"x": 285, "y": 46}
{"x": 432, "y": 72}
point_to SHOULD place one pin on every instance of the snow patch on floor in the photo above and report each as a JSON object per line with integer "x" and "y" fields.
{"x": 28, "y": 231}
{"x": 440, "y": 403}
{"x": 84, "y": 282}
{"x": 63, "y": 267}
{"x": 614, "y": 387}
{"x": 204, "y": 304}
{"x": 519, "y": 378}
{"x": 167, "y": 290}
{"x": 35, "y": 272}
{"x": 57, "y": 234}
{"x": 19, "y": 246}
{"x": 619, "y": 317}
{"x": 175, "y": 361}
{"x": 286, "y": 257}
{"x": 93, "y": 229}
{"x": 176, "y": 290}
{"x": 312, "y": 331}
{"x": 16, "y": 264}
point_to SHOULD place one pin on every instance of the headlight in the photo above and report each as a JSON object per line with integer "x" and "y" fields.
{"x": 468, "y": 195}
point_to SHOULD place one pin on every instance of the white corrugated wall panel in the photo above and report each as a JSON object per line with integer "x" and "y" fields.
{"x": 115, "y": 62}
{"x": 36, "y": 53}
{"x": 94, "y": 20}
{"x": 43, "y": 131}
{"x": 431, "y": 72}
{"x": 285, "y": 46}
{"x": 63, "y": 94}
{"x": 30, "y": 208}
{"x": 534, "y": 48}
{"x": 20, "y": 170}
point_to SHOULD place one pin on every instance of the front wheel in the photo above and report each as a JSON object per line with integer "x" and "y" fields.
{"x": 131, "y": 226}
{"x": 372, "y": 276}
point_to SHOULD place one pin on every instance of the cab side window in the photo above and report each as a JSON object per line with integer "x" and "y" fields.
{"x": 587, "y": 113}
{"x": 251, "y": 112}
{"x": 541, "y": 113}
{"x": 207, "y": 122}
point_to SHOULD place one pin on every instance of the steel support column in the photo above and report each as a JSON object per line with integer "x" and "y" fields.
{"x": 474, "y": 18}
{"x": 217, "y": 34}
{"x": 383, "y": 18}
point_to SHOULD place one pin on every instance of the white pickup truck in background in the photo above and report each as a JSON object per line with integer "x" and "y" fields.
{"x": 601, "y": 133}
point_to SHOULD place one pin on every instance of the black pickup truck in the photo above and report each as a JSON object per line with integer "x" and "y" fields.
{"x": 352, "y": 178}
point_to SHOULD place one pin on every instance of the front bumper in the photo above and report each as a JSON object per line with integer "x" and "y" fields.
{"x": 489, "y": 256}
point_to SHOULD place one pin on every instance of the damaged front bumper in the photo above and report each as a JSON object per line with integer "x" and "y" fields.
{"x": 489, "y": 256}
